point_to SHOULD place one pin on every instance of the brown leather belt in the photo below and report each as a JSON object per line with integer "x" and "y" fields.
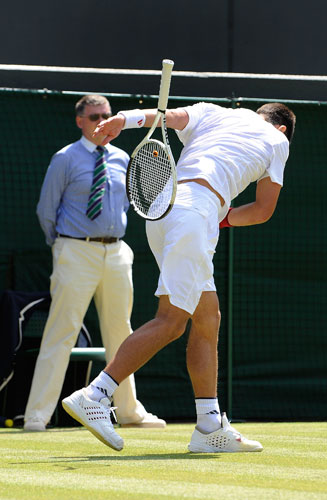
{"x": 88, "y": 238}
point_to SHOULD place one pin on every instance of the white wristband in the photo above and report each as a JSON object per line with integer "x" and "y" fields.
{"x": 134, "y": 118}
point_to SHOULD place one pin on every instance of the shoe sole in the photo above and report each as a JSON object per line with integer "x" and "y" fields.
{"x": 199, "y": 449}
{"x": 26, "y": 429}
{"x": 71, "y": 412}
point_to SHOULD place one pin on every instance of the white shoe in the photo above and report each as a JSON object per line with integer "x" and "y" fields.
{"x": 148, "y": 421}
{"x": 35, "y": 425}
{"x": 95, "y": 416}
{"x": 224, "y": 440}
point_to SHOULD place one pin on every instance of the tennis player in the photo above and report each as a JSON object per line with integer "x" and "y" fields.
{"x": 224, "y": 151}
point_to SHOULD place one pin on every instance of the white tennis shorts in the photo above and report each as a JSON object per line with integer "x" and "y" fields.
{"x": 184, "y": 243}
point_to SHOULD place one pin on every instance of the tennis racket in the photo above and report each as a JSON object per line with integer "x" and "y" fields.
{"x": 151, "y": 179}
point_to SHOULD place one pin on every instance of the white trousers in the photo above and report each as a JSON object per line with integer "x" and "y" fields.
{"x": 83, "y": 270}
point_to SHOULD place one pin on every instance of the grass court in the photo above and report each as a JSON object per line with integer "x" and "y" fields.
{"x": 70, "y": 464}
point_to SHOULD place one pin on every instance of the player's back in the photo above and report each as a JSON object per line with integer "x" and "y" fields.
{"x": 228, "y": 147}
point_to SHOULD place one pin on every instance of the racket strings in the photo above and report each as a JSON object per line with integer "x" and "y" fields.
{"x": 150, "y": 180}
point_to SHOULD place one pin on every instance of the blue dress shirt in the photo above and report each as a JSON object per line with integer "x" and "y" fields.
{"x": 66, "y": 188}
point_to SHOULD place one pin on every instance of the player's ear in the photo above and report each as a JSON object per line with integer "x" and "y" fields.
{"x": 282, "y": 128}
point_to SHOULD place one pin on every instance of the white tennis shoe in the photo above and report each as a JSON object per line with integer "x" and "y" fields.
{"x": 224, "y": 440}
{"x": 34, "y": 425}
{"x": 95, "y": 416}
{"x": 148, "y": 421}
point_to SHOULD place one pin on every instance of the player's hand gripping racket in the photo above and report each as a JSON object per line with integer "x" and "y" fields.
{"x": 151, "y": 175}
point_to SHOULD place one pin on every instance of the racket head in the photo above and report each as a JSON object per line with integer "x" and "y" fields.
{"x": 151, "y": 180}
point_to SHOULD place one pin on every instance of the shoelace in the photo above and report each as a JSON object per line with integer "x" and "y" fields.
{"x": 109, "y": 409}
{"x": 229, "y": 428}
{"x": 234, "y": 431}
{"x": 112, "y": 411}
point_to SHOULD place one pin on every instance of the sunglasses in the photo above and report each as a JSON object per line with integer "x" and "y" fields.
{"x": 96, "y": 116}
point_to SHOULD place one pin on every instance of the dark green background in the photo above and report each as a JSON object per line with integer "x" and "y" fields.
{"x": 278, "y": 269}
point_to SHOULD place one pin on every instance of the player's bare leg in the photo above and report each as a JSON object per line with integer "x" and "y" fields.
{"x": 146, "y": 341}
{"x": 213, "y": 433}
{"x": 202, "y": 360}
{"x": 91, "y": 406}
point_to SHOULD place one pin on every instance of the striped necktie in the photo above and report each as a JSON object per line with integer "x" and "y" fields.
{"x": 94, "y": 204}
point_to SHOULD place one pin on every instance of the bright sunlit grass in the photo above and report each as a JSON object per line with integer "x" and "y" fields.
{"x": 71, "y": 464}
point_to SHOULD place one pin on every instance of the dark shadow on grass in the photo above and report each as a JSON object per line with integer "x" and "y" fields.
{"x": 124, "y": 458}
{"x": 148, "y": 456}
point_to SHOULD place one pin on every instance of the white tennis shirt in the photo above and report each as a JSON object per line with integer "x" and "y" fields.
{"x": 230, "y": 148}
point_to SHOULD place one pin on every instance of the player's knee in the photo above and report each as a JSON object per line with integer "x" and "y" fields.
{"x": 207, "y": 314}
{"x": 174, "y": 318}
{"x": 174, "y": 325}
{"x": 218, "y": 317}
{"x": 175, "y": 328}
{"x": 212, "y": 318}
{"x": 179, "y": 328}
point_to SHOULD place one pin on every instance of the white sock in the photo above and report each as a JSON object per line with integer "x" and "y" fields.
{"x": 102, "y": 386}
{"x": 208, "y": 415}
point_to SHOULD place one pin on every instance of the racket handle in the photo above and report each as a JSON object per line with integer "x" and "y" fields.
{"x": 167, "y": 67}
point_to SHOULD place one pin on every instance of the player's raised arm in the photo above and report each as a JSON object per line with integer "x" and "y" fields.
{"x": 136, "y": 118}
{"x": 110, "y": 129}
{"x": 175, "y": 118}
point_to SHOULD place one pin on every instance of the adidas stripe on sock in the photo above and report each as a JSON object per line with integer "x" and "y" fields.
{"x": 102, "y": 386}
{"x": 208, "y": 415}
